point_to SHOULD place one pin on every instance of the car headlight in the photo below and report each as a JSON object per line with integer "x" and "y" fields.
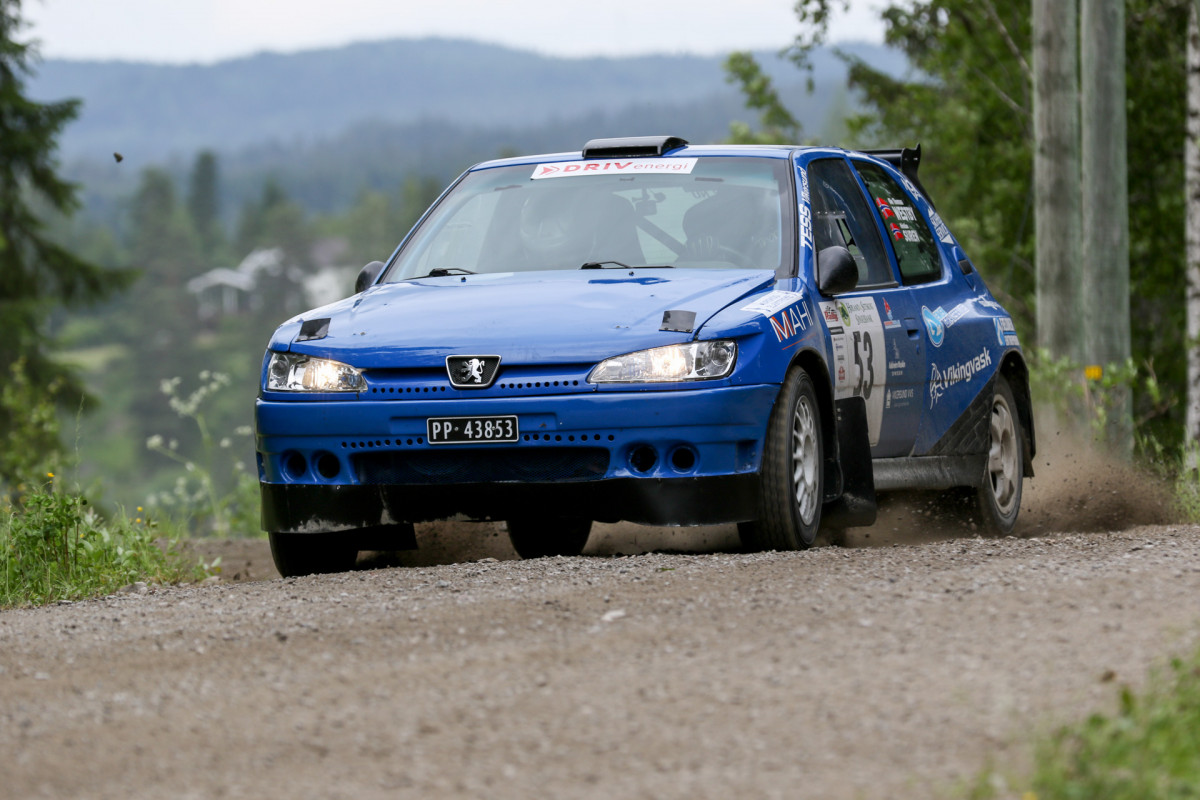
{"x": 697, "y": 361}
{"x": 295, "y": 372}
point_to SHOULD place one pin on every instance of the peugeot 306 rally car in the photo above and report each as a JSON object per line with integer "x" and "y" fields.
{"x": 653, "y": 332}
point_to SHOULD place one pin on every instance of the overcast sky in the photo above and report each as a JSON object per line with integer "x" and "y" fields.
{"x": 187, "y": 31}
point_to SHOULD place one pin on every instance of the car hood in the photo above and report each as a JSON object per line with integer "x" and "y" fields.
{"x": 548, "y": 317}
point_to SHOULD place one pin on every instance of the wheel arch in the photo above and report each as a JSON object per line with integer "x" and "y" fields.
{"x": 1016, "y": 372}
{"x": 812, "y": 363}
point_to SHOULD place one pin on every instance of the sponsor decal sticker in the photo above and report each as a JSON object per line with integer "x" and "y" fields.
{"x": 912, "y": 189}
{"x": 899, "y": 397}
{"x": 955, "y": 314}
{"x": 614, "y": 166}
{"x": 773, "y": 302}
{"x": 806, "y": 234}
{"x": 933, "y": 325}
{"x": 939, "y": 227}
{"x": 938, "y": 320}
{"x": 787, "y": 323}
{"x": 786, "y": 311}
{"x": 1006, "y": 333}
{"x": 889, "y": 323}
{"x": 963, "y": 372}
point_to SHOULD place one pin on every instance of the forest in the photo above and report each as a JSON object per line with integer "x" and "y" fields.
{"x": 215, "y": 244}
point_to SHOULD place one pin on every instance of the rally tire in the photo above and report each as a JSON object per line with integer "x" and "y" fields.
{"x": 538, "y": 537}
{"x": 998, "y": 496}
{"x": 298, "y": 554}
{"x": 791, "y": 489}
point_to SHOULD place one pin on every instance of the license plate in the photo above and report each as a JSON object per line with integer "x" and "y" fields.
{"x": 465, "y": 430}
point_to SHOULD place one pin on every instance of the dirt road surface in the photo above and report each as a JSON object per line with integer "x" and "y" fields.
{"x": 895, "y": 667}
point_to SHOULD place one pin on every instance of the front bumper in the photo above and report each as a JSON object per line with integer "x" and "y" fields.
{"x": 679, "y": 457}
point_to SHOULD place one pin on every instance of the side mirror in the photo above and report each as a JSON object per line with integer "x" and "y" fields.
{"x": 367, "y": 275}
{"x": 836, "y": 270}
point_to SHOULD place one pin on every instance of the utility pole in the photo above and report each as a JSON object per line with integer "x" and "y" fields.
{"x": 1056, "y": 176}
{"x": 1106, "y": 207}
{"x": 1191, "y": 160}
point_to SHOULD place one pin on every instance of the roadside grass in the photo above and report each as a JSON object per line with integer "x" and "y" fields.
{"x": 55, "y": 546}
{"x": 1148, "y": 749}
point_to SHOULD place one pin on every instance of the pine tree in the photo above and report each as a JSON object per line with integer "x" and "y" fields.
{"x": 37, "y": 275}
{"x": 204, "y": 205}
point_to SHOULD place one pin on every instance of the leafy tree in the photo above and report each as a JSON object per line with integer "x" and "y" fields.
{"x": 968, "y": 101}
{"x": 37, "y": 275}
{"x": 777, "y": 125}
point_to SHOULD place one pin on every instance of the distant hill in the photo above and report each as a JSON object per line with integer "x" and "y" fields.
{"x": 328, "y": 122}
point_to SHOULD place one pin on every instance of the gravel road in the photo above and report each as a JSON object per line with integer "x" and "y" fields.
{"x": 895, "y": 667}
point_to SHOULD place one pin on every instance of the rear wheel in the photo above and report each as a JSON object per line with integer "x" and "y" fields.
{"x": 312, "y": 553}
{"x": 791, "y": 487}
{"x": 999, "y": 493}
{"x": 537, "y": 537}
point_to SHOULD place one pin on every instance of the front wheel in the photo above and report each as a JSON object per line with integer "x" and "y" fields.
{"x": 298, "y": 554}
{"x": 537, "y": 537}
{"x": 791, "y": 488}
{"x": 999, "y": 493}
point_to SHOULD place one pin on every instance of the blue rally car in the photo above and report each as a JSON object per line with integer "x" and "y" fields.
{"x": 653, "y": 332}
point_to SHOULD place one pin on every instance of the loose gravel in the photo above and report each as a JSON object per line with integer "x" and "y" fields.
{"x": 863, "y": 672}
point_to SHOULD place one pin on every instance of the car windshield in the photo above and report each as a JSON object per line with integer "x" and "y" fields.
{"x": 671, "y": 212}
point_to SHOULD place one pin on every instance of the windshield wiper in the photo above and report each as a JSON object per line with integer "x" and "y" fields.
{"x": 622, "y": 265}
{"x": 441, "y": 272}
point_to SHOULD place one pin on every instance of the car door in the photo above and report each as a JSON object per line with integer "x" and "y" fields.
{"x": 875, "y": 330}
{"x": 958, "y": 336}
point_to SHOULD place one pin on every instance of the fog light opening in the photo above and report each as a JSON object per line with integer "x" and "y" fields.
{"x": 643, "y": 458}
{"x": 328, "y": 466}
{"x": 683, "y": 459}
{"x": 294, "y": 465}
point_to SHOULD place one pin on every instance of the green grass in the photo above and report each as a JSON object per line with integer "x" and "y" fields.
{"x": 55, "y": 546}
{"x": 1148, "y": 749}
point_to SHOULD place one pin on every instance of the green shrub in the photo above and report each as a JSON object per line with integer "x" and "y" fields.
{"x": 55, "y": 546}
{"x": 1149, "y": 749}
{"x": 215, "y": 494}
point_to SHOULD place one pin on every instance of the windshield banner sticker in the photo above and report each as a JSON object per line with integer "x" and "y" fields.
{"x": 615, "y": 166}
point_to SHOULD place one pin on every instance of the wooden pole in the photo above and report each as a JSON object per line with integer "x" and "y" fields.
{"x": 1105, "y": 207}
{"x": 1056, "y": 176}
{"x": 1192, "y": 179}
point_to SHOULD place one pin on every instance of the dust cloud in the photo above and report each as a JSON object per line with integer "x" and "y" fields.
{"x": 1077, "y": 488}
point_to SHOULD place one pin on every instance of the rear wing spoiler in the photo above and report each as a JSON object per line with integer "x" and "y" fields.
{"x": 907, "y": 160}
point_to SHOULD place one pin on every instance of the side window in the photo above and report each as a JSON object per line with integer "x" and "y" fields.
{"x": 916, "y": 248}
{"x": 842, "y": 216}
